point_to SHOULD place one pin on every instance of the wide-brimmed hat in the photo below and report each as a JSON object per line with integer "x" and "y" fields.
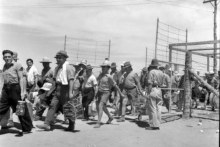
{"x": 144, "y": 69}
{"x": 211, "y": 72}
{"x": 177, "y": 73}
{"x": 127, "y": 64}
{"x": 123, "y": 63}
{"x": 106, "y": 63}
{"x": 154, "y": 63}
{"x": 83, "y": 62}
{"x": 62, "y": 53}
{"x": 75, "y": 64}
{"x": 89, "y": 67}
{"x": 113, "y": 65}
{"x": 15, "y": 55}
{"x": 46, "y": 86}
{"x": 45, "y": 60}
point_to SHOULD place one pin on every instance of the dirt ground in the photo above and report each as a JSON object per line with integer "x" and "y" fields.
{"x": 131, "y": 133}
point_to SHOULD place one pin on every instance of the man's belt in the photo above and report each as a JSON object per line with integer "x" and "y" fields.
{"x": 10, "y": 84}
{"x": 130, "y": 88}
{"x": 156, "y": 86}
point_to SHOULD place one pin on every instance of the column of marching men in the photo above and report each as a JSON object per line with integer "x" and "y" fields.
{"x": 58, "y": 91}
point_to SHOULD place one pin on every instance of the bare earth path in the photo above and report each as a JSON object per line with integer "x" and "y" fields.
{"x": 131, "y": 133}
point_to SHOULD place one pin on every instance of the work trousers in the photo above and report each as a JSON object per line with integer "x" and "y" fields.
{"x": 60, "y": 98}
{"x": 11, "y": 94}
{"x": 88, "y": 96}
{"x": 155, "y": 101}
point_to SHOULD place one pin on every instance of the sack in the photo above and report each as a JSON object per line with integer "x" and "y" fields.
{"x": 20, "y": 108}
{"x": 69, "y": 110}
{"x": 30, "y": 109}
{"x": 92, "y": 109}
{"x": 156, "y": 93}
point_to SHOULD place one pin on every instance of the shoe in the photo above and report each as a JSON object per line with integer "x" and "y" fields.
{"x": 36, "y": 118}
{"x": 10, "y": 124}
{"x": 20, "y": 134}
{"x": 121, "y": 119}
{"x": 98, "y": 125}
{"x": 85, "y": 119}
{"x": 152, "y": 128}
{"x": 64, "y": 122}
{"x": 71, "y": 126}
{"x": 44, "y": 127}
{"x": 109, "y": 120}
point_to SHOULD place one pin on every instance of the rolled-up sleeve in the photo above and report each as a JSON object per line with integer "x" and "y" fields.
{"x": 70, "y": 73}
{"x": 150, "y": 79}
{"x": 112, "y": 82}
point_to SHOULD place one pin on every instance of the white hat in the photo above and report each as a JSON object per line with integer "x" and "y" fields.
{"x": 123, "y": 63}
{"x": 211, "y": 72}
{"x": 106, "y": 63}
{"x": 46, "y": 86}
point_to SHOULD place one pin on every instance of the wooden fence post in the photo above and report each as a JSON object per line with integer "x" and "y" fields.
{"x": 187, "y": 87}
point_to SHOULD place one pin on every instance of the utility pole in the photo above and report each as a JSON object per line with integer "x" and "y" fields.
{"x": 146, "y": 58}
{"x": 65, "y": 43}
{"x": 215, "y": 35}
{"x": 156, "y": 38}
{"x": 109, "y": 49}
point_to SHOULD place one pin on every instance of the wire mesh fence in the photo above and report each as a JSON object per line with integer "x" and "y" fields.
{"x": 93, "y": 51}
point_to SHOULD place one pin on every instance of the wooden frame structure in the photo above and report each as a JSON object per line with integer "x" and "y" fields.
{"x": 188, "y": 68}
{"x": 196, "y": 50}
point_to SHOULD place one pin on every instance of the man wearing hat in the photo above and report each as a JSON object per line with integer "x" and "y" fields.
{"x": 166, "y": 94}
{"x": 45, "y": 77}
{"x": 120, "y": 76}
{"x": 211, "y": 80}
{"x": 105, "y": 84}
{"x": 89, "y": 90}
{"x": 143, "y": 78}
{"x": 46, "y": 73}
{"x": 131, "y": 87}
{"x": 114, "y": 74}
{"x": 64, "y": 78}
{"x": 154, "y": 94}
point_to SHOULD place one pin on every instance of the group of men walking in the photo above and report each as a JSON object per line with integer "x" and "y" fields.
{"x": 59, "y": 89}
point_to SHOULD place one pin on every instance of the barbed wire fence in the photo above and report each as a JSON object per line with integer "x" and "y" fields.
{"x": 95, "y": 52}
{"x": 165, "y": 35}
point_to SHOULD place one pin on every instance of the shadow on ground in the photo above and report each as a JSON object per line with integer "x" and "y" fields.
{"x": 141, "y": 124}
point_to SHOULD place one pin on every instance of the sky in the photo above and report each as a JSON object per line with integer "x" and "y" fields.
{"x": 37, "y": 28}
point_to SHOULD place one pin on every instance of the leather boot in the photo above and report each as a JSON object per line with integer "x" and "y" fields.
{"x": 71, "y": 126}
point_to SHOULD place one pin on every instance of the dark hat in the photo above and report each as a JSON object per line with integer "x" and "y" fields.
{"x": 154, "y": 63}
{"x": 15, "y": 55}
{"x": 127, "y": 64}
{"x": 113, "y": 65}
{"x": 89, "y": 67}
{"x": 62, "y": 53}
{"x": 106, "y": 63}
{"x": 45, "y": 60}
{"x": 161, "y": 67}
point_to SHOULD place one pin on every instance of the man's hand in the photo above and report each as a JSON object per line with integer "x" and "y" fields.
{"x": 23, "y": 96}
{"x": 122, "y": 95}
{"x": 71, "y": 96}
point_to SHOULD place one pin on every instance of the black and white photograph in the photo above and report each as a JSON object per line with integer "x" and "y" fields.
{"x": 109, "y": 73}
